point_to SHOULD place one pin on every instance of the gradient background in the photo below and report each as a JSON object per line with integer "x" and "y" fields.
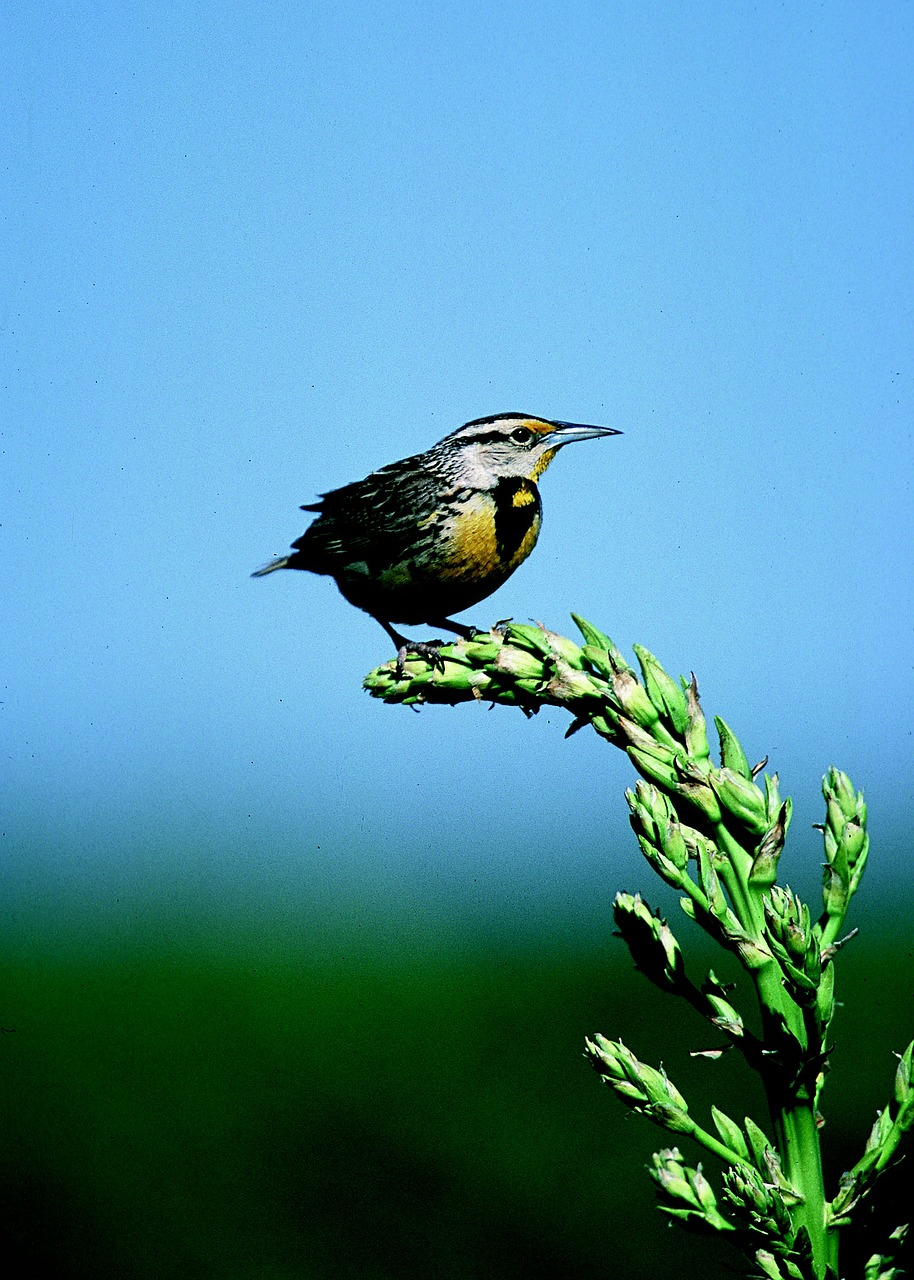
{"x": 297, "y": 981}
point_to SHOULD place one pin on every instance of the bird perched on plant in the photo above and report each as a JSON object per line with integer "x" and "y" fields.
{"x": 433, "y": 534}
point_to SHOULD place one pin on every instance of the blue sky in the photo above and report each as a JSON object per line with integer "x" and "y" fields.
{"x": 252, "y": 252}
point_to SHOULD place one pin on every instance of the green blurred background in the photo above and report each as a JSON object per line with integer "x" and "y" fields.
{"x": 252, "y": 1111}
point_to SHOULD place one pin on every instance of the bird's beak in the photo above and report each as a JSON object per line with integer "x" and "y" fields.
{"x": 569, "y": 432}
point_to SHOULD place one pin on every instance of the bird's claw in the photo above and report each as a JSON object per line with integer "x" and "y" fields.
{"x": 430, "y": 650}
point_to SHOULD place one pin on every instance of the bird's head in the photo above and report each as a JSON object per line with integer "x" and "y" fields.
{"x": 510, "y": 445}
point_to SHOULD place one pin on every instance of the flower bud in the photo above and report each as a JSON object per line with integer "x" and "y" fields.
{"x": 520, "y": 663}
{"x": 904, "y": 1078}
{"x": 650, "y": 940}
{"x": 565, "y": 649}
{"x": 741, "y": 798}
{"x": 726, "y": 1017}
{"x": 852, "y": 842}
{"x": 590, "y": 633}
{"x": 834, "y": 816}
{"x": 632, "y": 698}
{"x": 692, "y": 1198}
{"x": 570, "y": 684}
{"x": 673, "y": 844}
{"x": 607, "y": 727}
{"x": 699, "y": 794}
{"x": 669, "y": 1173}
{"x": 837, "y": 785}
{"x": 768, "y": 852}
{"x": 696, "y": 734}
{"x": 732, "y": 755}
{"x": 730, "y": 1132}
{"x": 666, "y": 695}
{"x": 651, "y": 765}
{"x": 709, "y": 882}
{"x": 825, "y": 997}
{"x": 834, "y": 891}
{"x": 480, "y": 651}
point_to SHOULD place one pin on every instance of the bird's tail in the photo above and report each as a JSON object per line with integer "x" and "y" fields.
{"x": 279, "y": 563}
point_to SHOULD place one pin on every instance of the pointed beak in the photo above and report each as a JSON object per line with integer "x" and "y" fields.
{"x": 569, "y": 432}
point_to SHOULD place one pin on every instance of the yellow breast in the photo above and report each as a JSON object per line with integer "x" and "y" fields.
{"x": 469, "y": 545}
{"x": 493, "y": 532}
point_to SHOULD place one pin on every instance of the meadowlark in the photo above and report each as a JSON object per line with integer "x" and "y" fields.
{"x": 435, "y": 533}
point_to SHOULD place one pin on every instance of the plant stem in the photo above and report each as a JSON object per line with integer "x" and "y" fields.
{"x": 797, "y": 1137}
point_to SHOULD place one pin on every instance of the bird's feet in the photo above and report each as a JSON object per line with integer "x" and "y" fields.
{"x": 430, "y": 650}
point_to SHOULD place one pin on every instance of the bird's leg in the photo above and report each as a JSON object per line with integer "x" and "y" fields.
{"x": 459, "y": 628}
{"x": 427, "y": 649}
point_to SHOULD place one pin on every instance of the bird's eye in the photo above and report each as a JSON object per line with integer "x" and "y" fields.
{"x": 523, "y": 435}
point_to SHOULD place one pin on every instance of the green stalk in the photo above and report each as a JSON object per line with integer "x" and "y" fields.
{"x": 797, "y": 1137}
{"x": 746, "y": 902}
{"x": 778, "y": 1010}
{"x": 793, "y": 1116}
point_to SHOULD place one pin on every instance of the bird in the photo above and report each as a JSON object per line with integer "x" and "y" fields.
{"x": 436, "y": 533}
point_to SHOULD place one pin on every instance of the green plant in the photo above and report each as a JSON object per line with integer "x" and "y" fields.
{"x": 716, "y": 836}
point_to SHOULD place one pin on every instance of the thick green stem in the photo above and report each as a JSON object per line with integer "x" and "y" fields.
{"x": 791, "y": 1102}
{"x": 797, "y": 1137}
{"x": 779, "y": 1013}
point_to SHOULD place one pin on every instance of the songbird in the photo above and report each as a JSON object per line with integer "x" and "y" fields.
{"x": 435, "y": 533}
